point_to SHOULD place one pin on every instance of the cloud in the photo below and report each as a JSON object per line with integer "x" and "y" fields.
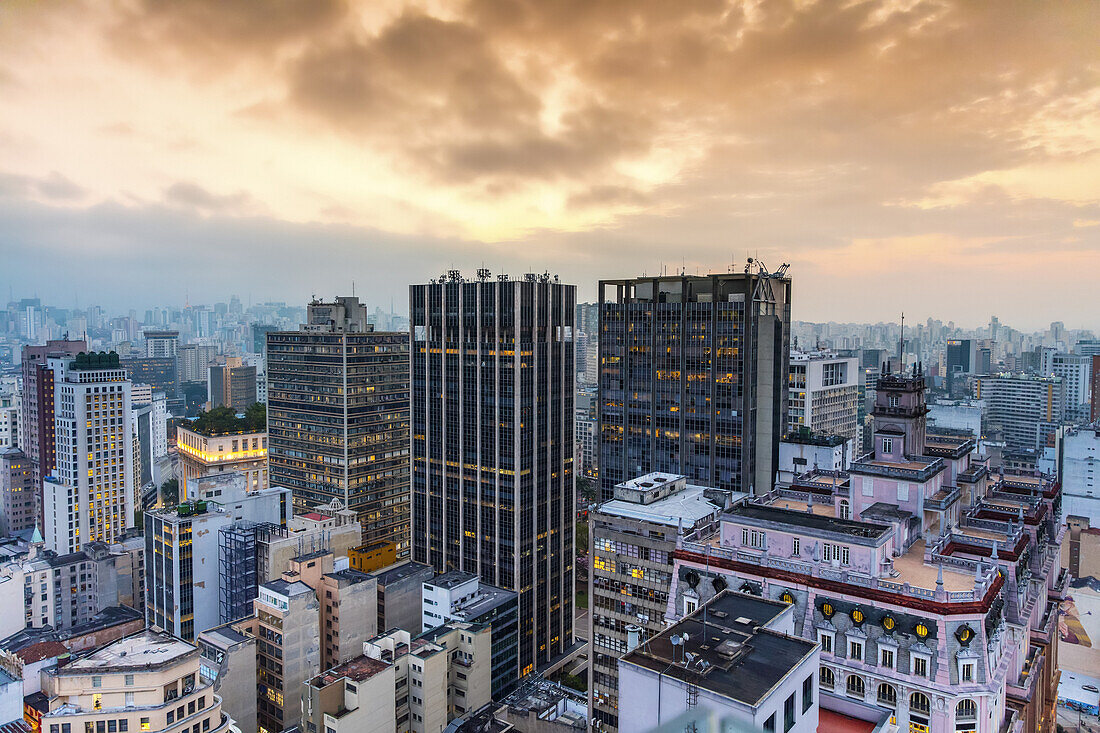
{"x": 193, "y": 196}
{"x": 51, "y": 188}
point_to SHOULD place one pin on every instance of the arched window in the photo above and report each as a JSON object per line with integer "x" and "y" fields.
{"x": 827, "y": 678}
{"x": 845, "y": 509}
{"x": 887, "y": 696}
{"x": 966, "y": 716}
{"x": 856, "y": 686}
{"x": 920, "y": 708}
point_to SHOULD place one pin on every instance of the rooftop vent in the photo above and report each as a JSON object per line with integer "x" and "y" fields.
{"x": 728, "y": 649}
{"x": 744, "y": 621}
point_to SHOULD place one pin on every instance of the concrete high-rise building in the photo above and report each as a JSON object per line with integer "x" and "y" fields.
{"x": 1026, "y": 408}
{"x": 338, "y": 417}
{"x": 633, "y": 537}
{"x": 89, "y": 494}
{"x": 17, "y": 492}
{"x": 287, "y": 623}
{"x": 1094, "y": 387}
{"x": 1075, "y": 370}
{"x": 205, "y": 453}
{"x": 231, "y": 384}
{"x": 162, "y": 344}
{"x": 961, "y": 360}
{"x": 182, "y": 570}
{"x": 1078, "y": 463}
{"x": 161, "y": 373}
{"x": 823, "y": 393}
{"x": 10, "y": 400}
{"x": 492, "y": 444}
{"x": 194, "y": 359}
{"x": 694, "y": 378}
{"x": 37, "y": 427}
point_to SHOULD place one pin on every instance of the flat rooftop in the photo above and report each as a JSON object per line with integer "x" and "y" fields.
{"x": 488, "y": 598}
{"x": 358, "y": 669}
{"x": 808, "y": 520}
{"x": 451, "y": 579}
{"x": 684, "y": 507}
{"x": 145, "y": 649}
{"x": 730, "y": 654}
{"x": 822, "y": 510}
{"x": 913, "y": 570}
{"x": 397, "y": 573}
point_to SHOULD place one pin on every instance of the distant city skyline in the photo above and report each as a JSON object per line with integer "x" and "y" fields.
{"x": 895, "y": 154}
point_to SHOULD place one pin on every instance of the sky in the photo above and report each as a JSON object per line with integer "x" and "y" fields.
{"x": 931, "y": 156}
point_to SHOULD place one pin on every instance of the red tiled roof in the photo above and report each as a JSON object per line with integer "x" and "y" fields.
{"x": 315, "y": 516}
{"x": 41, "y": 650}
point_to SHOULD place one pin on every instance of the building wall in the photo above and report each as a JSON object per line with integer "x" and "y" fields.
{"x": 232, "y": 672}
{"x": 203, "y": 455}
{"x": 495, "y": 359}
{"x": 17, "y": 492}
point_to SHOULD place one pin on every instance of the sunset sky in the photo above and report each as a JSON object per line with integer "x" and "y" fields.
{"x": 936, "y": 157}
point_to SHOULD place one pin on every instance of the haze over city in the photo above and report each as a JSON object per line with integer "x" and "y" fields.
{"x": 932, "y": 156}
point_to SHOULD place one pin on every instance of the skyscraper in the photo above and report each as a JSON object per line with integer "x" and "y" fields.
{"x": 694, "y": 378}
{"x": 88, "y": 495}
{"x": 492, "y": 443}
{"x": 36, "y": 433}
{"x": 338, "y": 417}
{"x": 231, "y": 384}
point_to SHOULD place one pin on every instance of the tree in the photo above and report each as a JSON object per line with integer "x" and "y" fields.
{"x": 256, "y": 417}
{"x": 170, "y": 492}
{"x": 586, "y": 487}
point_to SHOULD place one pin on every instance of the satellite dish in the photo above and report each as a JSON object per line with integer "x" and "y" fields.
{"x": 676, "y": 640}
{"x": 686, "y": 637}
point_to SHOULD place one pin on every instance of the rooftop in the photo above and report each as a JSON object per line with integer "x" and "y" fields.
{"x": 397, "y": 573}
{"x": 313, "y": 516}
{"x": 488, "y": 598}
{"x": 848, "y": 527}
{"x": 912, "y": 569}
{"x": 685, "y": 507}
{"x": 358, "y": 669}
{"x": 287, "y": 588}
{"x": 144, "y": 649}
{"x": 452, "y": 579}
{"x": 722, "y": 648}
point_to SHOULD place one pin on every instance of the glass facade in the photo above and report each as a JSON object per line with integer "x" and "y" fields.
{"x": 492, "y": 444}
{"x": 338, "y": 425}
{"x": 682, "y": 362}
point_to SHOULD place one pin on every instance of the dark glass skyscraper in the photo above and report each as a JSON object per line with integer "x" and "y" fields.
{"x": 693, "y": 378}
{"x": 338, "y": 417}
{"x": 492, "y": 443}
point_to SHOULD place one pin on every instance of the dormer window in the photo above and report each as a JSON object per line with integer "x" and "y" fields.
{"x": 894, "y": 400}
{"x": 887, "y": 445}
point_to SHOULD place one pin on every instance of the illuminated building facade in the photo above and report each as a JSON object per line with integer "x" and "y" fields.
{"x": 88, "y": 496}
{"x": 338, "y": 417}
{"x": 204, "y": 455}
{"x": 492, "y": 446}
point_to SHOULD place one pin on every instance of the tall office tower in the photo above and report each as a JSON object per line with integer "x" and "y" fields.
{"x": 17, "y": 492}
{"x": 37, "y": 428}
{"x": 823, "y": 393}
{"x": 231, "y": 384}
{"x": 159, "y": 372}
{"x": 338, "y": 417}
{"x": 1028, "y": 409}
{"x": 162, "y": 344}
{"x": 10, "y": 401}
{"x": 1087, "y": 347}
{"x": 492, "y": 447}
{"x": 89, "y": 496}
{"x": 694, "y": 375}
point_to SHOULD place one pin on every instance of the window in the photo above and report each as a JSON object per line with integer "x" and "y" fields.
{"x": 129, "y": 699}
{"x": 826, "y": 639}
{"x": 886, "y": 656}
{"x": 967, "y": 674}
{"x": 887, "y": 696}
{"x": 827, "y": 678}
{"x": 966, "y": 716}
{"x": 894, "y": 400}
{"x": 145, "y": 724}
{"x": 836, "y": 552}
{"x": 855, "y": 649}
{"x": 769, "y": 724}
{"x": 753, "y": 538}
{"x": 788, "y": 713}
{"x": 690, "y": 604}
{"x": 855, "y": 686}
{"x": 920, "y": 708}
{"x": 129, "y": 680}
{"x": 846, "y": 509}
{"x": 868, "y": 486}
{"x": 796, "y": 547}
{"x": 920, "y": 666}
{"x": 97, "y": 681}
{"x": 903, "y": 491}
{"x": 807, "y": 693}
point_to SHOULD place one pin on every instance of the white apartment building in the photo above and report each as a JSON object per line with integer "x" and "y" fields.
{"x": 89, "y": 496}
{"x": 145, "y": 682}
{"x": 1078, "y": 461}
{"x": 823, "y": 393}
{"x": 9, "y": 413}
{"x": 1075, "y": 372}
